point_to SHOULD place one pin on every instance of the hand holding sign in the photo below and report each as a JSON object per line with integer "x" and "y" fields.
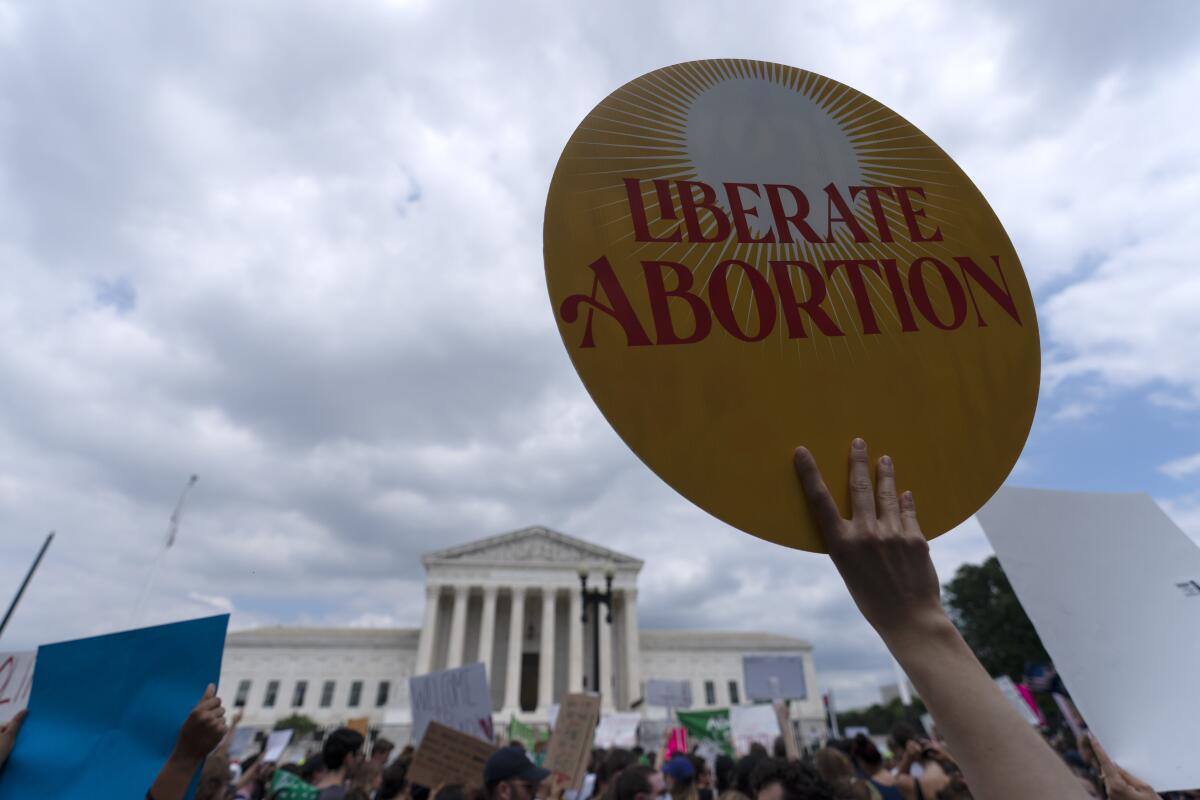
{"x": 880, "y": 551}
{"x": 204, "y": 728}
{"x": 8, "y": 735}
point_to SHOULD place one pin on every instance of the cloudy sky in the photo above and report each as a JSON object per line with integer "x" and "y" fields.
{"x": 296, "y": 248}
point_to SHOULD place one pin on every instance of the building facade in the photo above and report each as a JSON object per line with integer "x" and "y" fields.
{"x": 512, "y": 602}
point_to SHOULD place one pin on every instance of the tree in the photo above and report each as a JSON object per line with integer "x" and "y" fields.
{"x": 302, "y": 725}
{"x": 984, "y": 608}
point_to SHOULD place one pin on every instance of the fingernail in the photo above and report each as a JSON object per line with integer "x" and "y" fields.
{"x": 886, "y": 461}
{"x": 858, "y": 443}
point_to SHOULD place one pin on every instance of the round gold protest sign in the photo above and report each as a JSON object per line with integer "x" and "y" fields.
{"x": 744, "y": 257}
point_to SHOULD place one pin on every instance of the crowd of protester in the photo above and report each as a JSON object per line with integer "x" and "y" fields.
{"x": 984, "y": 750}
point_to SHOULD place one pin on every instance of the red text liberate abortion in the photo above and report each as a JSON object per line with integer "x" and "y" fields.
{"x": 793, "y": 293}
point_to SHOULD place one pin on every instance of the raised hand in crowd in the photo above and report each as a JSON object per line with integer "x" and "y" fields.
{"x": 200, "y": 733}
{"x": 1119, "y": 784}
{"x": 884, "y": 559}
{"x": 8, "y": 736}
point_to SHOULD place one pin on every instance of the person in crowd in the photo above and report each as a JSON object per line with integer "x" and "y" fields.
{"x": 199, "y": 735}
{"x": 341, "y": 753}
{"x": 8, "y": 736}
{"x": 884, "y": 560}
{"x": 610, "y": 765}
{"x": 638, "y": 782}
{"x": 680, "y": 777}
{"x": 866, "y": 757}
{"x": 704, "y": 783}
{"x": 777, "y": 779}
{"x": 363, "y": 782}
{"x": 725, "y": 776}
{"x": 919, "y": 758}
{"x": 835, "y": 768}
{"x": 381, "y": 751}
{"x": 510, "y": 775}
{"x": 745, "y": 768}
{"x": 394, "y": 780}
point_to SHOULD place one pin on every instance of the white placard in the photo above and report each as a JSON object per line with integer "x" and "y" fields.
{"x": 1110, "y": 584}
{"x": 668, "y": 694}
{"x": 458, "y": 698}
{"x": 617, "y": 730}
{"x": 277, "y": 742}
{"x": 16, "y": 679}
{"x": 750, "y": 724}
{"x": 1014, "y": 698}
{"x": 774, "y": 677}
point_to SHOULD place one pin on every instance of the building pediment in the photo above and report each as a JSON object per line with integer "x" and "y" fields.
{"x": 532, "y": 545}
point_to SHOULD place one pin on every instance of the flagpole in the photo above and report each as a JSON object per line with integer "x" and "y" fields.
{"x": 28, "y": 576}
{"x": 172, "y": 530}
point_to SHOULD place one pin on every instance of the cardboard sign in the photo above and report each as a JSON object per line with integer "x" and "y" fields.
{"x": 458, "y": 698}
{"x": 774, "y": 677}
{"x": 618, "y": 730}
{"x": 787, "y": 730}
{"x": 16, "y": 679}
{"x": 447, "y": 756}
{"x": 277, "y": 742}
{"x": 360, "y": 724}
{"x": 570, "y": 744}
{"x": 743, "y": 257}
{"x": 111, "y": 700}
{"x": 668, "y": 694}
{"x": 753, "y": 724}
{"x": 1107, "y": 582}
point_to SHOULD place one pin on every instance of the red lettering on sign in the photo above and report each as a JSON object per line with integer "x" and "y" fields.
{"x": 619, "y": 307}
{"x": 664, "y": 327}
{"x": 722, "y": 307}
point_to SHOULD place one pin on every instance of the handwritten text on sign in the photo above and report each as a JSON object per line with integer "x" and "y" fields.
{"x": 16, "y": 679}
{"x": 458, "y": 698}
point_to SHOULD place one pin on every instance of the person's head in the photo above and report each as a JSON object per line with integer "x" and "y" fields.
{"x": 835, "y": 768}
{"x": 342, "y": 749}
{"x": 510, "y": 775}
{"x": 638, "y": 782}
{"x": 703, "y": 775}
{"x": 776, "y": 779}
{"x": 394, "y": 780}
{"x": 902, "y": 733}
{"x": 611, "y": 763}
{"x": 312, "y": 769}
{"x": 381, "y": 751}
{"x": 779, "y": 749}
{"x": 745, "y": 768}
{"x": 680, "y": 775}
{"x": 866, "y": 755}
{"x": 453, "y": 791}
{"x": 726, "y": 773}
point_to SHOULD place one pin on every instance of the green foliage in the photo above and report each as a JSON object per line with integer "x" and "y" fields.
{"x": 302, "y": 725}
{"x": 984, "y": 608}
{"x": 879, "y": 718}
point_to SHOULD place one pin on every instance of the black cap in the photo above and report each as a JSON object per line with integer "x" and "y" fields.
{"x": 511, "y": 763}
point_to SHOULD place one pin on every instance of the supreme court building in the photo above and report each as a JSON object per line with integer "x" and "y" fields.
{"x": 513, "y": 602}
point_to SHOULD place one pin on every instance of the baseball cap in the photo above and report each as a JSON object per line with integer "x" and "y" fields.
{"x": 680, "y": 768}
{"x": 511, "y": 763}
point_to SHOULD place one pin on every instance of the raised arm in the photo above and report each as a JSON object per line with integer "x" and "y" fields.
{"x": 884, "y": 559}
{"x": 200, "y": 733}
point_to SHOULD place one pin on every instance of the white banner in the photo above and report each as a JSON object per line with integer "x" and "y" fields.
{"x": 458, "y": 698}
{"x": 617, "y": 730}
{"x": 750, "y": 724}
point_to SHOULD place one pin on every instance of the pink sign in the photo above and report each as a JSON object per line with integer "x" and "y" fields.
{"x": 676, "y": 743}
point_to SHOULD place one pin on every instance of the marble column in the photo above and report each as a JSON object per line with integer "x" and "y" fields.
{"x": 606, "y": 660}
{"x": 487, "y": 628}
{"x": 458, "y": 627}
{"x": 428, "y": 630}
{"x": 633, "y": 654}
{"x": 575, "y": 644}
{"x": 516, "y": 636}
{"x": 546, "y": 665}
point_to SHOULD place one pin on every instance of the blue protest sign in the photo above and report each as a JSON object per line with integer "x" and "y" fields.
{"x": 104, "y": 712}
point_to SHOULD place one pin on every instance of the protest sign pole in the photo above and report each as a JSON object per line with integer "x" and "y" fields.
{"x": 28, "y": 576}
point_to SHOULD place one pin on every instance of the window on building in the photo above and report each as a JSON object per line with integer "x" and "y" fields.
{"x": 243, "y": 694}
{"x": 269, "y": 697}
{"x": 327, "y": 694}
{"x": 298, "y": 694}
{"x": 733, "y": 694}
{"x": 710, "y": 693}
{"x": 355, "y": 694}
{"x": 381, "y": 696}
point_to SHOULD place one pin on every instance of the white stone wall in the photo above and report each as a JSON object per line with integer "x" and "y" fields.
{"x": 317, "y": 658}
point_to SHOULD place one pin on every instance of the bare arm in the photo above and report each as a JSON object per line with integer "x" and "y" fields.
{"x": 201, "y": 732}
{"x": 884, "y": 559}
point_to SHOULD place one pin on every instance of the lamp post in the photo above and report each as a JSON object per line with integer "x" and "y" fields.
{"x": 595, "y": 598}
